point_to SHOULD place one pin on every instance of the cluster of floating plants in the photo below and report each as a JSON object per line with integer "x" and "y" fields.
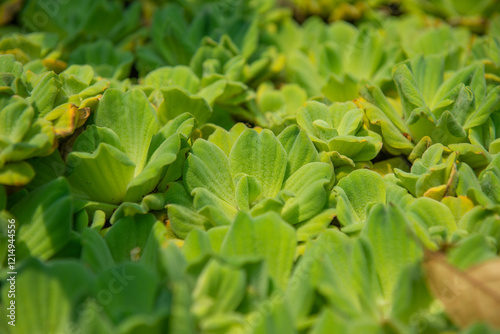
{"x": 260, "y": 167}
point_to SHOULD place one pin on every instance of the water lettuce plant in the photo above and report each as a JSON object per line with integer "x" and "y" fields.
{"x": 126, "y": 151}
{"x": 22, "y": 136}
{"x": 454, "y": 112}
{"x": 340, "y": 131}
{"x": 284, "y": 175}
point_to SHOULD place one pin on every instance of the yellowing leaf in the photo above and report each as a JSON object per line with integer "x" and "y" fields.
{"x": 64, "y": 119}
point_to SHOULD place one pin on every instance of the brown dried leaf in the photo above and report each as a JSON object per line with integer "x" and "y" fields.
{"x": 8, "y": 10}
{"x": 468, "y": 296}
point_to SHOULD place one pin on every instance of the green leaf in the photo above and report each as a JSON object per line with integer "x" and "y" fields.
{"x": 461, "y": 76}
{"x": 398, "y": 195}
{"x": 474, "y": 155}
{"x": 21, "y": 136}
{"x": 45, "y": 92}
{"x": 395, "y": 141}
{"x": 489, "y": 105}
{"x": 358, "y": 148}
{"x": 226, "y": 139}
{"x": 311, "y": 112}
{"x": 45, "y": 218}
{"x": 428, "y": 72}
{"x": 316, "y": 225}
{"x": 183, "y": 220}
{"x": 375, "y": 96}
{"x": 350, "y": 122}
{"x": 181, "y": 76}
{"x": 409, "y": 92}
{"x": 308, "y": 184}
{"x": 130, "y": 289}
{"x": 94, "y": 135}
{"x": 412, "y": 294}
{"x": 155, "y": 169}
{"x": 41, "y": 298}
{"x": 207, "y": 167}
{"x": 362, "y": 189}
{"x": 107, "y": 60}
{"x": 219, "y": 290}
{"x": 95, "y": 252}
{"x": 247, "y": 191}
{"x": 300, "y": 150}
{"x": 141, "y": 323}
{"x": 151, "y": 202}
{"x": 8, "y": 64}
{"x": 471, "y": 251}
{"x": 276, "y": 320}
{"x": 429, "y": 213}
{"x": 262, "y": 156}
{"x": 102, "y": 176}
{"x": 329, "y": 322}
{"x": 217, "y": 236}
{"x": 16, "y": 174}
{"x": 219, "y": 212}
{"x": 344, "y": 88}
{"x": 300, "y": 70}
{"x": 325, "y": 267}
{"x": 266, "y": 236}
{"x": 481, "y": 221}
{"x": 15, "y": 120}
{"x": 196, "y": 246}
{"x": 127, "y": 237}
{"x": 250, "y": 42}
{"x": 76, "y": 78}
{"x": 393, "y": 245}
{"x": 133, "y": 119}
{"x": 177, "y": 101}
